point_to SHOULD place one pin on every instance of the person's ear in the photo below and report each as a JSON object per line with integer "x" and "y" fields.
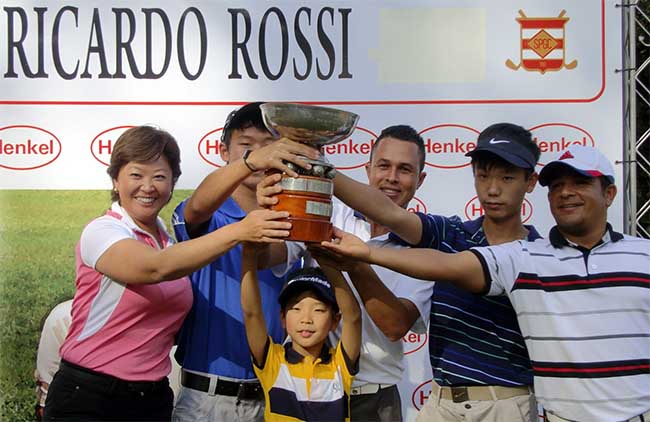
{"x": 421, "y": 178}
{"x": 610, "y": 194}
{"x": 223, "y": 151}
{"x": 532, "y": 182}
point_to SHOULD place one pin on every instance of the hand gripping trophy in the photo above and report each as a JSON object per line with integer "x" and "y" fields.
{"x": 308, "y": 197}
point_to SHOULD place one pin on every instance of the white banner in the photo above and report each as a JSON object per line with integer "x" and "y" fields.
{"x": 76, "y": 74}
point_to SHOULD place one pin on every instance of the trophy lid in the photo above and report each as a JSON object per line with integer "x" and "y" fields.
{"x": 308, "y": 124}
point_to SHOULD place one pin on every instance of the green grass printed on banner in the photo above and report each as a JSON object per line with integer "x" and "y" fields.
{"x": 39, "y": 230}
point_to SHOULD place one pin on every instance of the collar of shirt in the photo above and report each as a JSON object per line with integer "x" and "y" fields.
{"x": 558, "y": 241}
{"x": 294, "y": 357}
{"x": 475, "y": 228}
{"x": 119, "y": 212}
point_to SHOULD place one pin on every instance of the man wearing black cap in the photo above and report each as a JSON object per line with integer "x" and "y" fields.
{"x": 481, "y": 369}
{"x": 217, "y": 378}
{"x": 581, "y": 295}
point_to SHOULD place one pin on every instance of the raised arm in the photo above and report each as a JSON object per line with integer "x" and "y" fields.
{"x": 376, "y": 206}
{"x": 462, "y": 269}
{"x": 133, "y": 262}
{"x": 251, "y": 304}
{"x": 350, "y": 312}
{"x": 393, "y": 315}
{"x": 369, "y": 201}
{"x": 221, "y": 183}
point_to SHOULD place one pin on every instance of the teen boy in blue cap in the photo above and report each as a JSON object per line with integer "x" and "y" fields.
{"x": 481, "y": 369}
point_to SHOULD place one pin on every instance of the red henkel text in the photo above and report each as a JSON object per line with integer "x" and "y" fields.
{"x": 27, "y": 148}
{"x": 210, "y": 146}
{"x": 349, "y": 147}
{"x": 413, "y": 338}
{"x": 451, "y": 146}
{"x": 557, "y": 145}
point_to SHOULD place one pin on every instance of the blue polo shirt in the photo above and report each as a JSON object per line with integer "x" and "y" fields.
{"x": 213, "y": 339}
{"x": 473, "y": 339}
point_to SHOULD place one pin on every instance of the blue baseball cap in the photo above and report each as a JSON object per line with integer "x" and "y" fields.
{"x": 509, "y": 150}
{"x": 308, "y": 279}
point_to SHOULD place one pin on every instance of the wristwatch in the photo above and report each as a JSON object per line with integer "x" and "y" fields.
{"x": 244, "y": 157}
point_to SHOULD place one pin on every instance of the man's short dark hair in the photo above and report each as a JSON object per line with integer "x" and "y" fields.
{"x": 512, "y": 132}
{"x": 403, "y": 133}
{"x": 242, "y": 118}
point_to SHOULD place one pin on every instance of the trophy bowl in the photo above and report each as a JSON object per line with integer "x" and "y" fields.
{"x": 308, "y": 197}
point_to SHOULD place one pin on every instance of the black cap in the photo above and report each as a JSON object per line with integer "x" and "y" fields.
{"x": 247, "y": 113}
{"x": 509, "y": 150}
{"x": 308, "y": 279}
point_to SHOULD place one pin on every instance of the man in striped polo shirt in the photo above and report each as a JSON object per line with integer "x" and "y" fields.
{"x": 481, "y": 369}
{"x": 582, "y": 296}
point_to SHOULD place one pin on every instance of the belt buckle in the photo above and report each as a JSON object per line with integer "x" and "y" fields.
{"x": 459, "y": 394}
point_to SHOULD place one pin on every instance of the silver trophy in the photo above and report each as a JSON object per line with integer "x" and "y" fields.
{"x": 308, "y": 198}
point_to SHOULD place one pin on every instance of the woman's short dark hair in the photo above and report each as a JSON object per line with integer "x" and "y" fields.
{"x": 143, "y": 144}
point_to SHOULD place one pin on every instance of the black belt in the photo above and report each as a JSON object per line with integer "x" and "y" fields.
{"x": 108, "y": 383}
{"x": 222, "y": 387}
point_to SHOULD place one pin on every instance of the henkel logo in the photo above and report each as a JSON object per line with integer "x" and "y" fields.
{"x": 209, "y": 148}
{"x": 102, "y": 145}
{"x": 352, "y": 152}
{"x": 446, "y": 145}
{"x": 421, "y": 394}
{"x": 474, "y": 210}
{"x": 553, "y": 138}
{"x": 412, "y": 342}
{"x": 24, "y": 147}
{"x": 417, "y": 205}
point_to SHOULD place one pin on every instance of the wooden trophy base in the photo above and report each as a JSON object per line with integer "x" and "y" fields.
{"x": 309, "y": 231}
{"x": 310, "y": 211}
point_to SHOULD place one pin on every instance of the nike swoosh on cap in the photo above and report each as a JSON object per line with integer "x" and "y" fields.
{"x": 494, "y": 141}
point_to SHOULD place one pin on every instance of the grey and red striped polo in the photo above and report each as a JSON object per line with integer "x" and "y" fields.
{"x": 585, "y": 317}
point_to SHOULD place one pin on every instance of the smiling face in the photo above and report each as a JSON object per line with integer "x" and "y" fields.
{"x": 143, "y": 189}
{"x": 395, "y": 170}
{"x": 579, "y": 204}
{"x": 250, "y": 138}
{"x": 501, "y": 190}
{"x": 308, "y": 321}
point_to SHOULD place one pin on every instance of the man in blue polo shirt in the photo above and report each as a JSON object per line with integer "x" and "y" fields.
{"x": 217, "y": 378}
{"x": 481, "y": 369}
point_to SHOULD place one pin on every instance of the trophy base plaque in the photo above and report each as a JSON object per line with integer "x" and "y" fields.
{"x": 308, "y": 200}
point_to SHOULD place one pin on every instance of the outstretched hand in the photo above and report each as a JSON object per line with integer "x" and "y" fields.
{"x": 349, "y": 245}
{"x": 328, "y": 258}
{"x": 278, "y": 154}
{"x": 264, "y": 226}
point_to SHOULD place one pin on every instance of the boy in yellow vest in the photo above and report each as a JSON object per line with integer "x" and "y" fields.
{"x": 306, "y": 379}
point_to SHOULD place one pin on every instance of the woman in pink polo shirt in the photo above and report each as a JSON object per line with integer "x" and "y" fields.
{"x": 132, "y": 288}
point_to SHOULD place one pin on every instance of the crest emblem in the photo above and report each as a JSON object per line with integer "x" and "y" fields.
{"x": 542, "y": 44}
